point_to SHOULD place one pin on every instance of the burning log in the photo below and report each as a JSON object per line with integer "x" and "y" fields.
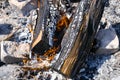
{"x": 78, "y": 39}
{"x": 75, "y": 43}
{"x": 47, "y": 27}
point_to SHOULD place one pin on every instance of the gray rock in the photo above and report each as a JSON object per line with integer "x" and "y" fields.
{"x": 107, "y": 40}
{"x": 12, "y": 52}
{"x": 5, "y": 29}
{"x": 19, "y": 4}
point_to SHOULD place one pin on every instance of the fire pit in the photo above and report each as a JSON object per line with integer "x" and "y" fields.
{"x": 54, "y": 39}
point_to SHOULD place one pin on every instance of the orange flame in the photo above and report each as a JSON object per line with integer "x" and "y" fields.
{"x": 63, "y": 23}
{"x": 50, "y": 54}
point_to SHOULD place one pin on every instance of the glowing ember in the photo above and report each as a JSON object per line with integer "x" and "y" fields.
{"x": 41, "y": 62}
{"x": 62, "y": 23}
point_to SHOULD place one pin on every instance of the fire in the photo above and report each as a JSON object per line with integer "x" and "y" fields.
{"x": 62, "y": 23}
{"x": 25, "y": 61}
{"x": 43, "y": 61}
{"x": 40, "y": 62}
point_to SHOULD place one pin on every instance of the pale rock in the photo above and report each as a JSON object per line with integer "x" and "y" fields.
{"x": 19, "y": 4}
{"x": 12, "y": 52}
{"x": 107, "y": 40}
{"x": 25, "y": 5}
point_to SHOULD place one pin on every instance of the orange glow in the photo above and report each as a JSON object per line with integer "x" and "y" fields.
{"x": 25, "y": 61}
{"x": 63, "y": 23}
{"x": 50, "y": 54}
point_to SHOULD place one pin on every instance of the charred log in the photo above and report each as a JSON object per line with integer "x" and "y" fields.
{"x": 49, "y": 28}
{"x": 38, "y": 32}
{"x": 78, "y": 39}
{"x": 45, "y": 28}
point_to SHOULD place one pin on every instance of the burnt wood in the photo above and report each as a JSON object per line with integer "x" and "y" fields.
{"x": 38, "y": 38}
{"x": 46, "y": 25}
{"x": 78, "y": 39}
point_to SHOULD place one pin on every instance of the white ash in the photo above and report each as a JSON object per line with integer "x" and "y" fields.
{"x": 100, "y": 68}
{"x": 9, "y": 72}
{"x": 45, "y": 75}
{"x": 19, "y": 4}
{"x": 112, "y": 11}
{"x": 54, "y": 75}
{"x": 24, "y": 6}
{"x": 52, "y": 22}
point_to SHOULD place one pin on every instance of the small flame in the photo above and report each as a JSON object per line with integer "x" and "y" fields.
{"x": 50, "y": 54}
{"x": 43, "y": 62}
{"x": 63, "y": 23}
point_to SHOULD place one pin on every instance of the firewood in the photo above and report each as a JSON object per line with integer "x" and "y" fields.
{"x": 78, "y": 39}
{"x": 38, "y": 32}
{"x": 45, "y": 31}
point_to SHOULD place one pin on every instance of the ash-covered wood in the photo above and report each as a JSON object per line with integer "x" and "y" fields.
{"x": 44, "y": 32}
{"x": 77, "y": 41}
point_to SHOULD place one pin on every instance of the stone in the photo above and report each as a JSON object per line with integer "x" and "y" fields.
{"x": 13, "y": 52}
{"x": 19, "y": 4}
{"x": 108, "y": 41}
{"x": 25, "y": 5}
{"x": 5, "y": 28}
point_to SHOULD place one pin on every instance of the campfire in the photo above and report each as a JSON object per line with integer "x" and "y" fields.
{"x": 71, "y": 37}
{"x": 62, "y": 34}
